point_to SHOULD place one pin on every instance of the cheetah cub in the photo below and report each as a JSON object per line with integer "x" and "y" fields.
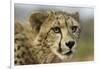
{"x": 50, "y": 37}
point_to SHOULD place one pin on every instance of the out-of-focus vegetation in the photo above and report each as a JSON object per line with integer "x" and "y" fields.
{"x": 85, "y": 49}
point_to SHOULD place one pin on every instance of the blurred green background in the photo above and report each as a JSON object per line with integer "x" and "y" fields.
{"x": 85, "y": 49}
{"x": 86, "y": 43}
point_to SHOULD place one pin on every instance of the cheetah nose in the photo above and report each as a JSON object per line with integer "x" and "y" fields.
{"x": 70, "y": 44}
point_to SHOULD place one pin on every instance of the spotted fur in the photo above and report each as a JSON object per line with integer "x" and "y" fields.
{"x": 54, "y": 37}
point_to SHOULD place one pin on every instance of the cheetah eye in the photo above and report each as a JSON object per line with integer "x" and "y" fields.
{"x": 56, "y": 29}
{"x": 74, "y": 29}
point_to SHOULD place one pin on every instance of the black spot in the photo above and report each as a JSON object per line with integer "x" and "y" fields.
{"x": 57, "y": 18}
{"x": 41, "y": 36}
{"x": 23, "y": 53}
{"x": 15, "y": 62}
{"x": 18, "y": 56}
{"x": 40, "y": 40}
{"x": 17, "y": 39}
{"x": 27, "y": 47}
{"x": 15, "y": 50}
{"x": 18, "y": 47}
{"x": 22, "y": 45}
{"x": 21, "y": 62}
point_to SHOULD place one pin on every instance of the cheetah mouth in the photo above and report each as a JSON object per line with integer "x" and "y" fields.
{"x": 68, "y": 53}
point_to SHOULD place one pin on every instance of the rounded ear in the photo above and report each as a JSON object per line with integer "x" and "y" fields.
{"x": 18, "y": 27}
{"x": 37, "y": 19}
{"x": 76, "y": 16}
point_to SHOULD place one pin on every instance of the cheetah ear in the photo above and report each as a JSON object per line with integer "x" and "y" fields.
{"x": 76, "y": 16}
{"x": 18, "y": 27}
{"x": 36, "y": 20}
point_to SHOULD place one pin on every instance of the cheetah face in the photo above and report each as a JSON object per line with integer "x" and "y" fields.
{"x": 62, "y": 34}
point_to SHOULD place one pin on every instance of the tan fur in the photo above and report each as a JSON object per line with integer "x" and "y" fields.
{"x": 40, "y": 42}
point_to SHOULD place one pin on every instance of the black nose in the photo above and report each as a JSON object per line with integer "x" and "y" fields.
{"x": 70, "y": 44}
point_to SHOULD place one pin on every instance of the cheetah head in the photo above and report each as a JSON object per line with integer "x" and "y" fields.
{"x": 59, "y": 30}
